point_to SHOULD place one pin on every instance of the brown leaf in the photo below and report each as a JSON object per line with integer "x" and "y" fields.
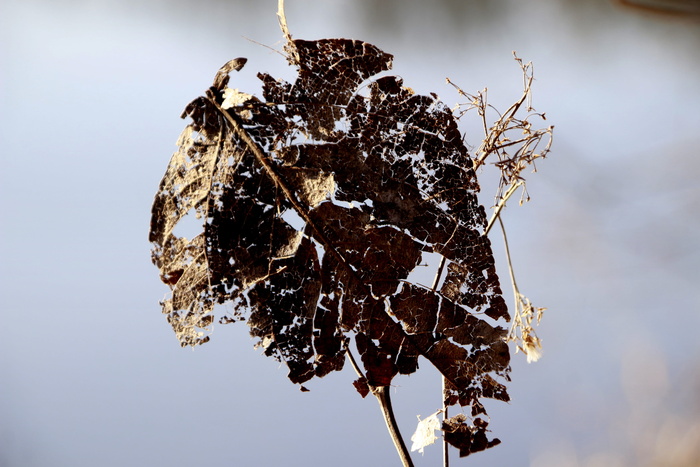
{"x": 221, "y": 79}
{"x": 361, "y": 386}
{"x": 317, "y": 201}
{"x": 467, "y": 438}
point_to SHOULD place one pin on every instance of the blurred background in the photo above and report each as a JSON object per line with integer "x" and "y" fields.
{"x": 91, "y": 374}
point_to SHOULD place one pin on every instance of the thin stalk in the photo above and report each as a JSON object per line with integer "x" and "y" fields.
{"x": 382, "y": 395}
{"x": 516, "y": 292}
{"x": 445, "y": 416}
{"x": 500, "y": 206}
{"x": 384, "y": 399}
{"x": 517, "y": 319}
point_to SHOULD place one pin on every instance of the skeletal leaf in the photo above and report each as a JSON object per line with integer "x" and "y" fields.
{"x": 234, "y": 98}
{"x": 425, "y": 432}
{"x": 317, "y": 200}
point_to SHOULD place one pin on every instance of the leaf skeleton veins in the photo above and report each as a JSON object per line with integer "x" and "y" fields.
{"x": 376, "y": 176}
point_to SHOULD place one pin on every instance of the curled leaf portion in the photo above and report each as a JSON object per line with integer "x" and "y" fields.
{"x": 465, "y": 437}
{"x": 317, "y": 201}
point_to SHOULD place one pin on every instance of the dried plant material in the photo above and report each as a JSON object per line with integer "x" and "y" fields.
{"x": 522, "y": 331}
{"x": 465, "y": 437}
{"x": 234, "y": 98}
{"x": 377, "y": 180}
{"x": 512, "y": 140}
{"x": 516, "y": 144}
{"x": 222, "y": 76}
{"x": 317, "y": 200}
{"x": 425, "y": 432}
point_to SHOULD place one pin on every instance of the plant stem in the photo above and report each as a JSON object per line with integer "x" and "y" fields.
{"x": 445, "y": 416}
{"x": 445, "y": 446}
{"x": 384, "y": 399}
{"x": 501, "y": 205}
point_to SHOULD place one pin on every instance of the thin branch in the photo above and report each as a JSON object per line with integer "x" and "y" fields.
{"x": 232, "y": 119}
{"x": 384, "y": 399}
{"x": 516, "y": 292}
{"x": 289, "y": 46}
{"x": 353, "y": 362}
{"x": 382, "y": 395}
{"x": 501, "y": 204}
{"x": 513, "y": 156}
{"x": 438, "y": 275}
{"x": 445, "y": 416}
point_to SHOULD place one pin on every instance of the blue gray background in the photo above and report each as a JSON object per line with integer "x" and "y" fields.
{"x": 92, "y": 375}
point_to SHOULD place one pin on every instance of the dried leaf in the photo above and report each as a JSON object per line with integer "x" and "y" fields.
{"x": 467, "y": 438}
{"x": 361, "y": 386}
{"x": 317, "y": 201}
{"x": 425, "y": 432}
{"x": 234, "y": 98}
{"x": 222, "y": 76}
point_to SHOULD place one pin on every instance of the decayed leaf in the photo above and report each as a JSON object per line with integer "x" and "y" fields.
{"x": 234, "y": 98}
{"x": 467, "y": 438}
{"x": 425, "y": 432}
{"x": 376, "y": 176}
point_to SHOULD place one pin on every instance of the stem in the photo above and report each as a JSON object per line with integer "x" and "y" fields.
{"x": 501, "y": 205}
{"x": 445, "y": 416}
{"x": 384, "y": 399}
{"x": 445, "y": 445}
{"x": 510, "y": 263}
{"x": 382, "y": 395}
{"x": 289, "y": 47}
{"x": 517, "y": 319}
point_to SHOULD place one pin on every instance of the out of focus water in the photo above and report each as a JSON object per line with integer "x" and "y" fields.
{"x": 90, "y": 96}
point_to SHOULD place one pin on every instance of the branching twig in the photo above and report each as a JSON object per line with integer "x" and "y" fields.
{"x": 497, "y": 137}
{"x": 513, "y": 156}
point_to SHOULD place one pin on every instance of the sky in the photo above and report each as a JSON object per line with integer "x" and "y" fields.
{"x": 92, "y": 374}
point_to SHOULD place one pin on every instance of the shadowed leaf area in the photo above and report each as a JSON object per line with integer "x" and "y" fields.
{"x": 317, "y": 200}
